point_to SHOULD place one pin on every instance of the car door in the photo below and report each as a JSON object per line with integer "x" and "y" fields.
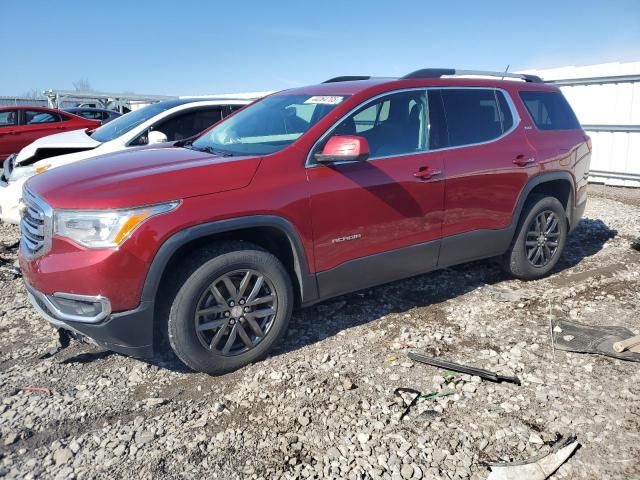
{"x": 487, "y": 163}
{"x": 378, "y": 220}
{"x": 8, "y": 127}
{"x": 37, "y": 124}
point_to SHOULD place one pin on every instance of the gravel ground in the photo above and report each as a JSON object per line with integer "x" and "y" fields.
{"x": 323, "y": 406}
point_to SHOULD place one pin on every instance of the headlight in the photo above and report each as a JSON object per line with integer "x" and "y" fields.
{"x": 104, "y": 228}
{"x": 19, "y": 172}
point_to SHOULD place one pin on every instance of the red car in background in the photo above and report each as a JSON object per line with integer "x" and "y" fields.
{"x": 19, "y": 126}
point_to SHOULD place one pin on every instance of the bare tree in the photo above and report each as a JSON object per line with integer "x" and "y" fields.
{"x": 82, "y": 85}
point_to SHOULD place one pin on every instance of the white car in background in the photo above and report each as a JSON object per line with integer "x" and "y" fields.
{"x": 166, "y": 121}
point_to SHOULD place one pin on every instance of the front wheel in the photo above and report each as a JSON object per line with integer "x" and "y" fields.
{"x": 540, "y": 239}
{"x": 231, "y": 310}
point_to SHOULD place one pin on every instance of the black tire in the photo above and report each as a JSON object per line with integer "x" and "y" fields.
{"x": 519, "y": 260}
{"x": 224, "y": 261}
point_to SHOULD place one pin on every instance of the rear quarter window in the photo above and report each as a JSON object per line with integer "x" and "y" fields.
{"x": 475, "y": 115}
{"x": 549, "y": 110}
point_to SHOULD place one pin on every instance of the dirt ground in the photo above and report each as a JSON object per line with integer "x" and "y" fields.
{"x": 323, "y": 405}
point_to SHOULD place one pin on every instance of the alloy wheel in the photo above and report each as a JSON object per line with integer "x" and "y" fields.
{"x": 543, "y": 238}
{"x": 236, "y": 312}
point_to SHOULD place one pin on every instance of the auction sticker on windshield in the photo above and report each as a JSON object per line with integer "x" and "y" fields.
{"x": 325, "y": 100}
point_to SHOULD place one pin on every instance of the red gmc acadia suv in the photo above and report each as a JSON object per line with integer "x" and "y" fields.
{"x": 304, "y": 195}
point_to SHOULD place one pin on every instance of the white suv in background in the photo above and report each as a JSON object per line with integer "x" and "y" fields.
{"x": 166, "y": 121}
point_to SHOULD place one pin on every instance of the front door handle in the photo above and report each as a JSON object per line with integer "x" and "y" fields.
{"x": 426, "y": 173}
{"x": 523, "y": 160}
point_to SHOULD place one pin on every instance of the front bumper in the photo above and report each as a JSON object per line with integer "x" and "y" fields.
{"x": 130, "y": 332}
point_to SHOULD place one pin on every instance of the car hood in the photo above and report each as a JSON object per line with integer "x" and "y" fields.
{"x": 72, "y": 140}
{"x": 142, "y": 177}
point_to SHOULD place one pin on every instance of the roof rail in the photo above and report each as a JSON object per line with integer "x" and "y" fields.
{"x": 441, "y": 72}
{"x": 347, "y": 78}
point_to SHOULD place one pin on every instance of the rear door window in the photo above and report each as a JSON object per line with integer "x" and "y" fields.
{"x": 475, "y": 115}
{"x": 37, "y": 117}
{"x": 549, "y": 110}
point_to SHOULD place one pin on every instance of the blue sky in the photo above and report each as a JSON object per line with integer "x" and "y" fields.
{"x": 201, "y": 47}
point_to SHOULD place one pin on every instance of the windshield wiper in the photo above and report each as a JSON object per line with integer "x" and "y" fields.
{"x": 210, "y": 150}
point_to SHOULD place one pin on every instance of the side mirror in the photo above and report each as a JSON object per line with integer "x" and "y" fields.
{"x": 156, "y": 136}
{"x": 344, "y": 148}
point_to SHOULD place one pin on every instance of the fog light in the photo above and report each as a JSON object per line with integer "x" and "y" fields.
{"x": 77, "y": 307}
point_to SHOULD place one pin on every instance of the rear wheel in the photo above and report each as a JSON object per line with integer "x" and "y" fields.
{"x": 231, "y": 309}
{"x": 540, "y": 239}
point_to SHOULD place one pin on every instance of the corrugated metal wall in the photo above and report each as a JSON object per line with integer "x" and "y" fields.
{"x": 13, "y": 101}
{"x": 610, "y": 113}
{"x": 616, "y": 154}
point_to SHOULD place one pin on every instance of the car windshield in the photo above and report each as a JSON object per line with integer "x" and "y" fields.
{"x": 131, "y": 120}
{"x": 268, "y": 125}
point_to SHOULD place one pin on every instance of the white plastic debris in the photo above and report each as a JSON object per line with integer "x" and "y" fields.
{"x": 537, "y": 468}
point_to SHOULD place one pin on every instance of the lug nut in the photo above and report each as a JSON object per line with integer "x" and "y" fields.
{"x": 231, "y": 304}
{"x": 242, "y": 318}
{"x": 226, "y": 314}
{"x": 232, "y": 321}
{"x": 247, "y": 309}
{"x": 242, "y": 301}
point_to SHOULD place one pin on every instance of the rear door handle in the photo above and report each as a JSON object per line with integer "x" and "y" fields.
{"x": 523, "y": 160}
{"x": 426, "y": 173}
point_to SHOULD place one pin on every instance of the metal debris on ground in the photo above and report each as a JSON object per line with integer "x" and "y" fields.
{"x": 536, "y": 468}
{"x": 418, "y": 396}
{"x": 456, "y": 367}
{"x": 600, "y": 340}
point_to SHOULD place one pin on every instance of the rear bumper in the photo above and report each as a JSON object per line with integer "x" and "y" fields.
{"x": 130, "y": 332}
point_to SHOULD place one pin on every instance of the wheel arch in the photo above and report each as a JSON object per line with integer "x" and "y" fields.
{"x": 275, "y": 234}
{"x": 560, "y": 185}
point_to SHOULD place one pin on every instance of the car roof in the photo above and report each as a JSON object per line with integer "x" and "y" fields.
{"x": 204, "y": 100}
{"x": 355, "y": 87}
{"x": 28, "y": 107}
{"x": 88, "y": 109}
{"x": 434, "y": 77}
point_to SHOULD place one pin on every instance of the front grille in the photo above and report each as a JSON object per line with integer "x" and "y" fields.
{"x": 35, "y": 225}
